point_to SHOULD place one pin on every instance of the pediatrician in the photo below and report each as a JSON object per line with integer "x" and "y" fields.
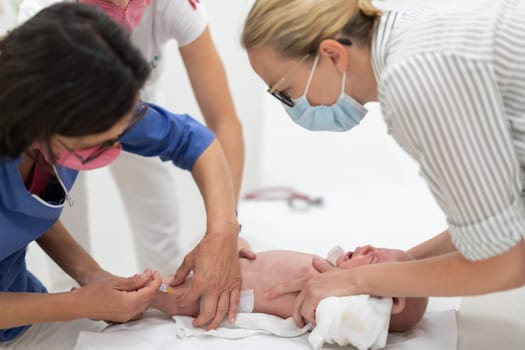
{"x": 69, "y": 86}
{"x": 149, "y": 196}
{"x": 450, "y": 82}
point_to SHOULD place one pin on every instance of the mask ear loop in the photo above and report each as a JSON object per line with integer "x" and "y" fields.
{"x": 343, "y": 85}
{"x": 312, "y": 70}
{"x": 346, "y": 42}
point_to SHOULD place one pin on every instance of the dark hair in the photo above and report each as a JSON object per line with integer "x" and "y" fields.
{"x": 69, "y": 70}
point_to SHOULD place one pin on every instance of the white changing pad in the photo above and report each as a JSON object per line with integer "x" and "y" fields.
{"x": 437, "y": 331}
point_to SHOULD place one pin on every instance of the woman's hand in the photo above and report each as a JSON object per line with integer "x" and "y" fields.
{"x": 216, "y": 277}
{"x": 95, "y": 276}
{"x": 336, "y": 282}
{"x": 297, "y": 285}
{"x": 312, "y": 289}
{"x": 117, "y": 299}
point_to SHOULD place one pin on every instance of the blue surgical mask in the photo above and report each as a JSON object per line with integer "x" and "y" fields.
{"x": 343, "y": 115}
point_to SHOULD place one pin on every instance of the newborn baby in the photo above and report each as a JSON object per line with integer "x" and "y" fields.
{"x": 275, "y": 267}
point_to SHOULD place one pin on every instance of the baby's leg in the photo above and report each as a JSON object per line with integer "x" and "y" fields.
{"x": 167, "y": 302}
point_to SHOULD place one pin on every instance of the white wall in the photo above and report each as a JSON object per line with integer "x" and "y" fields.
{"x": 7, "y": 15}
{"x": 368, "y": 183}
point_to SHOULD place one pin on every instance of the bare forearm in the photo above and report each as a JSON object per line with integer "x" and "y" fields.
{"x": 210, "y": 85}
{"x": 438, "y": 245}
{"x": 68, "y": 254}
{"x": 212, "y": 175}
{"x": 230, "y": 138}
{"x": 445, "y": 275}
{"x": 19, "y": 309}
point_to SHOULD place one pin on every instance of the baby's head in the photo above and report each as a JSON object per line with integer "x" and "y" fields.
{"x": 406, "y": 312}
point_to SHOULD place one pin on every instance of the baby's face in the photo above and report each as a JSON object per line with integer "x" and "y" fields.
{"x": 370, "y": 255}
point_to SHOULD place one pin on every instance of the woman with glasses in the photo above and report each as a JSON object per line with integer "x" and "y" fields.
{"x": 69, "y": 86}
{"x": 151, "y": 25}
{"x": 450, "y": 82}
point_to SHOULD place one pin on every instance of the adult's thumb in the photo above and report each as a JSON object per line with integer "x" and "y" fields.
{"x": 182, "y": 272}
{"x": 134, "y": 282}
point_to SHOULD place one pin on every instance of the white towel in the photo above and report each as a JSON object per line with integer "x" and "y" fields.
{"x": 360, "y": 320}
{"x": 244, "y": 326}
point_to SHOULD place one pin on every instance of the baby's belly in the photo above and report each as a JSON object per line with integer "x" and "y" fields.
{"x": 270, "y": 269}
{"x": 274, "y": 267}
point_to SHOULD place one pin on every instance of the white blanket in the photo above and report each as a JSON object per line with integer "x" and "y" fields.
{"x": 244, "y": 326}
{"x": 437, "y": 331}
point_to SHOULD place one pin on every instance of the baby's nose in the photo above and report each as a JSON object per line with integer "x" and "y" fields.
{"x": 364, "y": 250}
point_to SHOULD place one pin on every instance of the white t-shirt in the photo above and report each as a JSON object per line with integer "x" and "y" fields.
{"x": 181, "y": 20}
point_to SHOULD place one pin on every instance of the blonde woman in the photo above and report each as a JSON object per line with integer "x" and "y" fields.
{"x": 451, "y": 87}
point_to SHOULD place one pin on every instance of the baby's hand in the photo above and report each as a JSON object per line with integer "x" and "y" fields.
{"x": 244, "y": 249}
{"x": 247, "y": 253}
{"x": 322, "y": 265}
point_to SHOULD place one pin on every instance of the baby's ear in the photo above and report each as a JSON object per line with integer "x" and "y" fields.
{"x": 398, "y": 305}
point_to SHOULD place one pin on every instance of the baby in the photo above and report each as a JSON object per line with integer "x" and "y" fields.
{"x": 275, "y": 267}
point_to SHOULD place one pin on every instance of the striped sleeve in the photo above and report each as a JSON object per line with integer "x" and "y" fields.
{"x": 448, "y": 113}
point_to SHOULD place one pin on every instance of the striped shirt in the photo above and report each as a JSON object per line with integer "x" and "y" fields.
{"x": 451, "y": 85}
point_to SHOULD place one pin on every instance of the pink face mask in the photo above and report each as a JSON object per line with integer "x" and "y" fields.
{"x": 80, "y": 159}
{"x": 128, "y": 18}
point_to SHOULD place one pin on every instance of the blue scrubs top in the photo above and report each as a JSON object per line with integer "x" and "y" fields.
{"x": 24, "y": 217}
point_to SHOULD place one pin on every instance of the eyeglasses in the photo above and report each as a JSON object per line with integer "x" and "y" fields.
{"x": 140, "y": 111}
{"x": 281, "y": 95}
{"x": 294, "y": 199}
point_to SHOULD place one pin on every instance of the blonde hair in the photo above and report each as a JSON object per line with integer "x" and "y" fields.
{"x": 297, "y": 27}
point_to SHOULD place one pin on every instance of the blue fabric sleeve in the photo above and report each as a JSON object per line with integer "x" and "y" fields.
{"x": 175, "y": 137}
